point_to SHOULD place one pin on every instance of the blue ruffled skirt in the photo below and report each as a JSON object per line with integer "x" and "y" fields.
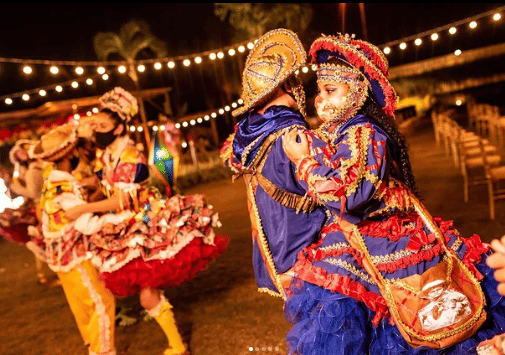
{"x": 327, "y": 323}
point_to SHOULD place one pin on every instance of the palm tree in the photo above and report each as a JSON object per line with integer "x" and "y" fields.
{"x": 133, "y": 38}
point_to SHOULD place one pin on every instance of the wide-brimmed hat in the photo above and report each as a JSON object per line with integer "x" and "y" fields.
{"x": 55, "y": 144}
{"x": 19, "y": 145}
{"x": 277, "y": 55}
{"x": 364, "y": 56}
{"x": 121, "y": 102}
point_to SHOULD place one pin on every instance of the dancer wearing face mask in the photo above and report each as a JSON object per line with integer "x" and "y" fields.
{"x": 385, "y": 277}
{"x": 149, "y": 241}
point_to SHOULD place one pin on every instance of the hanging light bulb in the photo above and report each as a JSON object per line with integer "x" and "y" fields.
{"x": 452, "y": 30}
{"x": 26, "y": 97}
{"x": 89, "y": 81}
{"x": 231, "y": 52}
{"x": 227, "y": 108}
{"x": 140, "y": 128}
{"x": 305, "y": 69}
{"x": 155, "y": 128}
{"x": 162, "y": 127}
{"x": 457, "y": 52}
{"x": 184, "y": 124}
{"x": 221, "y": 111}
{"x": 192, "y": 122}
{"x": 240, "y": 101}
{"x": 79, "y": 70}
{"x": 76, "y": 116}
{"x": 184, "y": 144}
{"x": 141, "y": 68}
{"x": 198, "y": 60}
{"x": 458, "y": 102}
{"x": 157, "y": 66}
{"x": 250, "y": 45}
{"x": 206, "y": 117}
{"x": 8, "y": 101}
{"x": 186, "y": 62}
{"x": 473, "y": 24}
{"x": 105, "y": 77}
{"x": 241, "y": 49}
{"x": 387, "y": 50}
{"x": 177, "y": 125}
{"x": 497, "y": 16}
{"x": 27, "y": 69}
{"x": 132, "y": 128}
{"x": 418, "y": 41}
{"x": 59, "y": 88}
{"x": 121, "y": 69}
{"x": 95, "y": 110}
{"x": 212, "y": 56}
{"x": 434, "y": 36}
{"x": 314, "y": 67}
{"x": 88, "y": 113}
{"x": 199, "y": 120}
{"x": 100, "y": 70}
{"x": 234, "y": 105}
{"x": 171, "y": 65}
{"x": 213, "y": 114}
{"x": 403, "y": 45}
{"x": 220, "y": 55}
{"x": 75, "y": 84}
{"x": 297, "y": 72}
{"x": 42, "y": 92}
{"x": 54, "y": 70}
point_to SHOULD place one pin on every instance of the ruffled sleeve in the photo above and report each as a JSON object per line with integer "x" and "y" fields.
{"x": 348, "y": 175}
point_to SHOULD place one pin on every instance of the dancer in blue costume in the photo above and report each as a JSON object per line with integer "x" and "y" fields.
{"x": 356, "y": 164}
{"x": 284, "y": 220}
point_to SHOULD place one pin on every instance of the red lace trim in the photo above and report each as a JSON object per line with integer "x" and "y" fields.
{"x": 306, "y": 271}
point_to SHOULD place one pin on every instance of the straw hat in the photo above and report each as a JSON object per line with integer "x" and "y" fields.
{"x": 55, "y": 144}
{"x": 121, "y": 102}
{"x": 19, "y": 145}
{"x": 277, "y": 55}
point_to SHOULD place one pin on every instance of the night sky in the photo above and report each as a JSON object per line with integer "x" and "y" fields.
{"x": 66, "y": 31}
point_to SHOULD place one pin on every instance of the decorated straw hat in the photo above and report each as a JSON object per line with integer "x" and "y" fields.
{"x": 22, "y": 144}
{"x": 364, "y": 56}
{"x": 55, "y": 144}
{"x": 121, "y": 102}
{"x": 275, "y": 56}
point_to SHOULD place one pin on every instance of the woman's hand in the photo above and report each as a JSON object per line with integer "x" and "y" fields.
{"x": 75, "y": 212}
{"x": 294, "y": 150}
{"x": 497, "y": 262}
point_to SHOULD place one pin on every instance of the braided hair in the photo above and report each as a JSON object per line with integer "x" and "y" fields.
{"x": 401, "y": 168}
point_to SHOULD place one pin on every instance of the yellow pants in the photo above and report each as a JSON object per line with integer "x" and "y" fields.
{"x": 93, "y": 307}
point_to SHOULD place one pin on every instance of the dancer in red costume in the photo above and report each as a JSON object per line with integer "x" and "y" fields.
{"x": 150, "y": 241}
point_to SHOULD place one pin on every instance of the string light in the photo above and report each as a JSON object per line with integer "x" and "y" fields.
{"x": 387, "y": 50}
{"x": 192, "y": 122}
{"x": 95, "y": 110}
{"x": 140, "y": 128}
{"x": 76, "y": 116}
{"x": 434, "y": 36}
{"x": 452, "y": 30}
{"x": 177, "y": 125}
{"x": 79, "y": 70}
{"x": 88, "y": 113}
{"x": 141, "y": 68}
{"x": 231, "y": 52}
{"x": 100, "y": 70}
{"x": 213, "y": 114}
{"x": 42, "y": 92}
{"x": 26, "y": 97}
{"x": 54, "y": 70}
{"x": 132, "y": 128}
{"x": 305, "y": 69}
{"x": 184, "y": 124}
{"x": 186, "y": 62}
{"x": 240, "y": 101}
{"x": 8, "y": 101}
{"x": 221, "y": 111}
{"x": 220, "y": 55}
{"x": 241, "y": 49}
{"x": 199, "y": 120}
{"x": 473, "y": 24}
{"x": 458, "y": 102}
{"x": 227, "y": 108}
{"x": 418, "y": 41}
{"x": 314, "y": 68}
{"x": 250, "y": 45}
{"x": 198, "y": 60}
{"x": 157, "y": 65}
{"x": 184, "y": 144}
{"x": 121, "y": 69}
{"x": 496, "y": 17}
{"x": 234, "y": 105}
{"x": 206, "y": 117}
{"x": 162, "y": 127}
{"x": 105, "y": 77}
{"x": 89, "y": 81}
{"x": 59, "y": 88}
{"x": 457, "y": 52}
{"x": 297, "y": 72}
{"x": 171, "y": 65}
{"x": 75, "y": 84}
{"x": 27, "y": 69}
{"x": 403, "y": 45}
{"x": 212, "y": 56}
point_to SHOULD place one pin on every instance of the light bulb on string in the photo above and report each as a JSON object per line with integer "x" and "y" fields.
{"x": 8, "y": 101}
{"x": 42, "y": 92}
{"x": 132, "y": 128}
{"x": 250, "y": 45}
{"x": 457, "y": 52}
{"x": 54, "y": 70}
{"x": 105, "y": 77}
{"x": 184, "y": 124}
{"x": 95, "y": 110}
{"x": 231, "y": 52}
{"x": 186, "y": 62}
{"x": 452, "y": 30}
{"x": 27, "y": 69}
{"x": 89, "y": 81}
{"x": 305, "y": 69}
{"x": 155, "y": 128}
{"x": 403, "y": 45}
{"x": 162, "y": 127}
{"x": 88, "y": 113}
{"x": 234, "y": 105}
{"x": 206, "y": 117}
{"x": 240, "y": 101}
{"x": 75, "y": 84}
{"x": 59, "y": 88}
{"x": 77, "y": 116}
{"x": 212, "y": 56}
{"x": 184, "y": 144}
{"x": 192, "y": 122}
{"x": 221, "y": 111}
{"x": 171, "y": 64}
{"x": 157, "y": 66}
{"x": 140, "y": 128}
{"x": 141, "y": 68}
{"x": 227, "y": 108}
{"x": 434, "y": 36}
{"x": 387, "y": 50}
{"x": 473, "y": 24}
{"x": 213, "y": 114}
{"x": 79, "y": 70}
{"x": 241, "y": 49}
{"x": 26, "y": 97}
{"x": 121, "y": 69}
{"x": 199, "y": 120}
{"x": 220, "y": 55}
{"x": 418, "y": 41}
{"x": 100, "y": 70}
{"x": 198, "y": 60}
{"x": 497, "y": 16}
{"x": 177, "y": 125}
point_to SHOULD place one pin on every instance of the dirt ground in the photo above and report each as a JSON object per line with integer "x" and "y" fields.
{"x": 220, "y": 311}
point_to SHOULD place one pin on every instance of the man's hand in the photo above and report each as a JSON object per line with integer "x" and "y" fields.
{"x": 295, "y": 151}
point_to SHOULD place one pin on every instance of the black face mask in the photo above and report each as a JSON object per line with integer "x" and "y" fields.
{"x": 104, "y": 139}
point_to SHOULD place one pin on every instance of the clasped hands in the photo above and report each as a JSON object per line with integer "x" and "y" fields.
{"x": 295, "y": 150}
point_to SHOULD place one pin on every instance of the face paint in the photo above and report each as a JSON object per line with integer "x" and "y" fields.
{"x": 343, "y": 91}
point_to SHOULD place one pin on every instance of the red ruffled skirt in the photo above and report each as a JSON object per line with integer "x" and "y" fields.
{"x": 184, "y": 266}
